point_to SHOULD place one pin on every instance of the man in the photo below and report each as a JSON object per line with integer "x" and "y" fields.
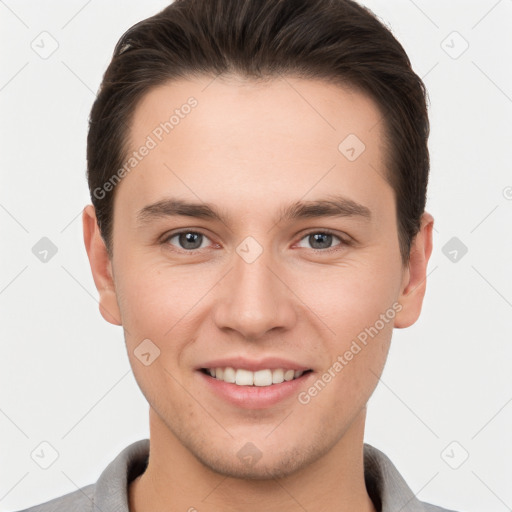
{"x": 258, "y": 174}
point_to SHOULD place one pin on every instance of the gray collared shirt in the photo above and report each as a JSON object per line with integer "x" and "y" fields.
{"x": 385, "y": 485}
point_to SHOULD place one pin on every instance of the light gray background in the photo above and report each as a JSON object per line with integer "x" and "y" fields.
{"x": 65, "y": 376}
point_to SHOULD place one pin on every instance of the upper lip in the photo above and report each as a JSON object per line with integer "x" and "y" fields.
{"x": 254, "y": 365}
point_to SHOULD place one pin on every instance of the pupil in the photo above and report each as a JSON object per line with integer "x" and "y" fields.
{"x": 189, "y": 240}
{"x": 317, "y": 237}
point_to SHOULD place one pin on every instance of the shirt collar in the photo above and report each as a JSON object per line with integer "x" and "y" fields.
{"x": 385, "y": 485}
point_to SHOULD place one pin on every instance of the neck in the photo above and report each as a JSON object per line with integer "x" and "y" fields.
{"x": 176, "y": 480}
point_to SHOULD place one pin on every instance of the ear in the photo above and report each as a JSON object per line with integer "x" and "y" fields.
{"x": 101, "y": 266}
{"x": 415, "y": 276}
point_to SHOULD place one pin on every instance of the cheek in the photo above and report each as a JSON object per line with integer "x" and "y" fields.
{"x": 358, "y": 305}
{"x": 154, "y": 305}
{"x": 357, "y": 355}
{"x": 351, "y": 298}
{"x": 152, "y": 298}
{"x": 347, "y": 298}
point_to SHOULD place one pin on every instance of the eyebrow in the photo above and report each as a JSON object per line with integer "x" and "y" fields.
{"x": 332, "y": 206}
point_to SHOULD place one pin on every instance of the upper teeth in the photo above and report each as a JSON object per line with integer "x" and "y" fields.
{"x": 248, "y": 378}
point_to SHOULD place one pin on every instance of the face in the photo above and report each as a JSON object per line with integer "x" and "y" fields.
{"x": 288, "y": 260}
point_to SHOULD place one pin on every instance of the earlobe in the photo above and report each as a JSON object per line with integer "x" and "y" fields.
{"x": 101, "y": 267}
{"x": 415, "y": 276}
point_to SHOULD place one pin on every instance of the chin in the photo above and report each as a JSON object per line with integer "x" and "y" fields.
{"x": 251, "y": 464}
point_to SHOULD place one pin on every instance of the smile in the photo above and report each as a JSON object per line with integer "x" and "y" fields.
{"x": 262, "y": 378}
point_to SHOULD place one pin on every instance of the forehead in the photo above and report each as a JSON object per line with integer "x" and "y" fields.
{"x": 325, "y": 110}
{"x": 282, "y": 137}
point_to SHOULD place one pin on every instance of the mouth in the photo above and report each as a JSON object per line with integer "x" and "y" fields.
{"x": 260, "y": 378}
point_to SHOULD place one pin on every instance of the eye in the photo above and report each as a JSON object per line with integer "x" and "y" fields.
{"x": 187, "y": 240}
{"x": 322, "y": 240}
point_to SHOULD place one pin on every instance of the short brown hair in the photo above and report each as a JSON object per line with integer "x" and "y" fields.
{"x": 334, "y": 40}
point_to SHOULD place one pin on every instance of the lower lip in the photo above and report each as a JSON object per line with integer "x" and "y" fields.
{"x": 255, "y": 397}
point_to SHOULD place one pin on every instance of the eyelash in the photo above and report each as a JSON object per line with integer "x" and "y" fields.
{"x": 342, "y": 243}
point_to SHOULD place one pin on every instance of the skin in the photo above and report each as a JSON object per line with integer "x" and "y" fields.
{"x": 249, "y": 148}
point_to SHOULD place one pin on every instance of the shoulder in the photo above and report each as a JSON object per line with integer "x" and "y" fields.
{"x": 110, "y": 492}
{"x": 387, "y": 487}
{"x": 80, "y": 500}
{"x": 433, "y": 508}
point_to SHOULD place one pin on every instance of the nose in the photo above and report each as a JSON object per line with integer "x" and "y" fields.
{"x": 255, "y": 298}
